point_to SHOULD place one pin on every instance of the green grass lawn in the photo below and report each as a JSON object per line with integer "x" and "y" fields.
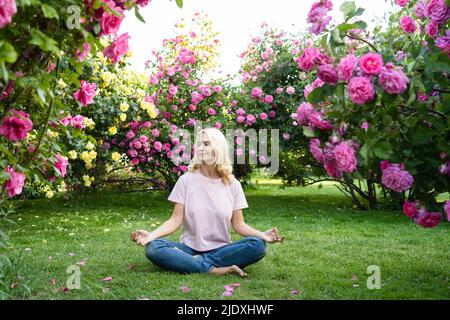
{"x": 327, "y": 250}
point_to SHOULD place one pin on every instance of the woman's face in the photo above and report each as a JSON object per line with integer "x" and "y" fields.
{"x": 205, "y": 151}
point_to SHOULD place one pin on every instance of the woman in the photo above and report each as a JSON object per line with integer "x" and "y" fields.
{"x": 208, "y": 199}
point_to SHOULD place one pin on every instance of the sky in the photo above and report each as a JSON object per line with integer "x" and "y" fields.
{"x": 235, "y": 20}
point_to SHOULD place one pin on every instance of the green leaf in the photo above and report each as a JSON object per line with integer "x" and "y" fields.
{"x": 138, "y": 15}
{"x": 49, "y": 11}
{"x": 321, "y": 94}
{"x": 44, "y": 42}
{"x": 7, "y": 52}
{"x": 97, "y": 28}
{"x": 365, "y": 152}
{"x": 179, "y": 3}
{"x": 348, "y": 8}
{"x": 308, "y": 132}
{"x": 383, "y": 150}
{"x": 422, "y": 135}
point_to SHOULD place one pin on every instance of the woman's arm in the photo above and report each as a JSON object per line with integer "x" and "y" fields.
{"x": 243, "y": 229}
{"x": 171, "y": 225}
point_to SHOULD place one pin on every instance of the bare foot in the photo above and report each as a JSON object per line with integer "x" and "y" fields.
{"x": 234, "y": 269}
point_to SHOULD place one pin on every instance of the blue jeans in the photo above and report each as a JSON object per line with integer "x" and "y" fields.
{"x": 178, "y": 257}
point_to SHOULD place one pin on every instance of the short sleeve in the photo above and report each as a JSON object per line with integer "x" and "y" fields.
{"x": 178, "y": 193}
{"x": 239, "y": 197}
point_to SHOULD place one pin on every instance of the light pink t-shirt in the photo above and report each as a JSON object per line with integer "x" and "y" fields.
{"x": 208, "y": 208}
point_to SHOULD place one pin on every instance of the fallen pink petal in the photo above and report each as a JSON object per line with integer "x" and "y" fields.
{"x": 53, "y": 281}
{"x": 185, "y": 289}
{"x": 229, "y": 288}
{"x": 107, "y": 279}
{"x": 294, "y": 292}
{"x": 228, "y": 293}
{"x": 81, "y": 263}
{"x": 65, "y": 290}
{"x": 71, "y": 254}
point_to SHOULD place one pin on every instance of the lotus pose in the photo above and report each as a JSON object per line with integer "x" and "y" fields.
{"x": 208, "y": 200}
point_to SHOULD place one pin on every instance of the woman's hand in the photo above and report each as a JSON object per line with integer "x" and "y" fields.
{"x": 141, "y": 237}
{"x": 272, "y": 236}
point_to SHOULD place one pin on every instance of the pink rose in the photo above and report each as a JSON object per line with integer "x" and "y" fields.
{"x": 118, "y": 48}
{"x": 7, "y": 10}
{"x": 61, "y": 165}
{"x": 328, "y": 73}
{"x": 346, "y": 67}
{"x": 393, "y": 79}
{"x": 432, "y": 29}
{"x": 311, "y": 58}
{"x": 345, "y": 157}
{"x": 361, "y": 90}
{"x": 409, "y": 208}
{"x": 16, "y": 126}
{"x": 109, "y": 21}
{"x": 279, "y": 90}
{"x": 316, "y": 151}
{"x": 427, "y": 219}
{"x": 211, "y": 112}
{"x": 397, "y": 179}
{"x": 268, "y": 99}
{"x": 256, "y": 92}
{"x": 447, "y": 209}
{"x": 263, "y": 116}
{"x": 173, "y": 90}
{"x": 419, "y": 8}
{"x": 14, "y": 184}
{"x": 444, "y": 43}
{"x": 371, "y": 63}
{"x": 82, "y": 54}
{"x": 437, "y": 11}
{"x": 408, "y": 25}
{"x": 290, "y": 90}
{"x": 85, "y": 95}
{"x": 402, "y": 3}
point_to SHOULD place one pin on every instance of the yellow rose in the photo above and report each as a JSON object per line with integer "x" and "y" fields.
{"x": 107, "y": 76}
{"x": 49, "y": 194}
{"x": 88, "y": 165}
{"x": 123, "y": 117}
{"x": 124, "y": 107}
{"x": 152, "y": 112}
{"x": 62, "y": 84}
{"x": 92, "y": 154}
{"x": 88, "y": 122}
{"x": 90, "y": 146}
{"x": 72, "y": 154}
{"x": 84, "y": 156}
{"x": 112, "y": 130}
{"x": 115, "y": 156}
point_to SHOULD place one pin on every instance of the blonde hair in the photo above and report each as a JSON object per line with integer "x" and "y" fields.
{"x": 222, "y": 159}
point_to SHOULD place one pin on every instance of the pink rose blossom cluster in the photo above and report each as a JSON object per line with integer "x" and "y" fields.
{"x": 337, "y": 157}
{"x": 311, "y": 58}
{"x": 395, "y": 177}
{"x": 7, "y": 10}
{"x": 85, "y": 95}
{"x": 15, "y": 183}
{"x": 76, "y": 122}
{"x": 318, "y": 17}
{"x": 310, "y": 117}
{"x": 16, "y": 125}
{"x": 421, "y": 216}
